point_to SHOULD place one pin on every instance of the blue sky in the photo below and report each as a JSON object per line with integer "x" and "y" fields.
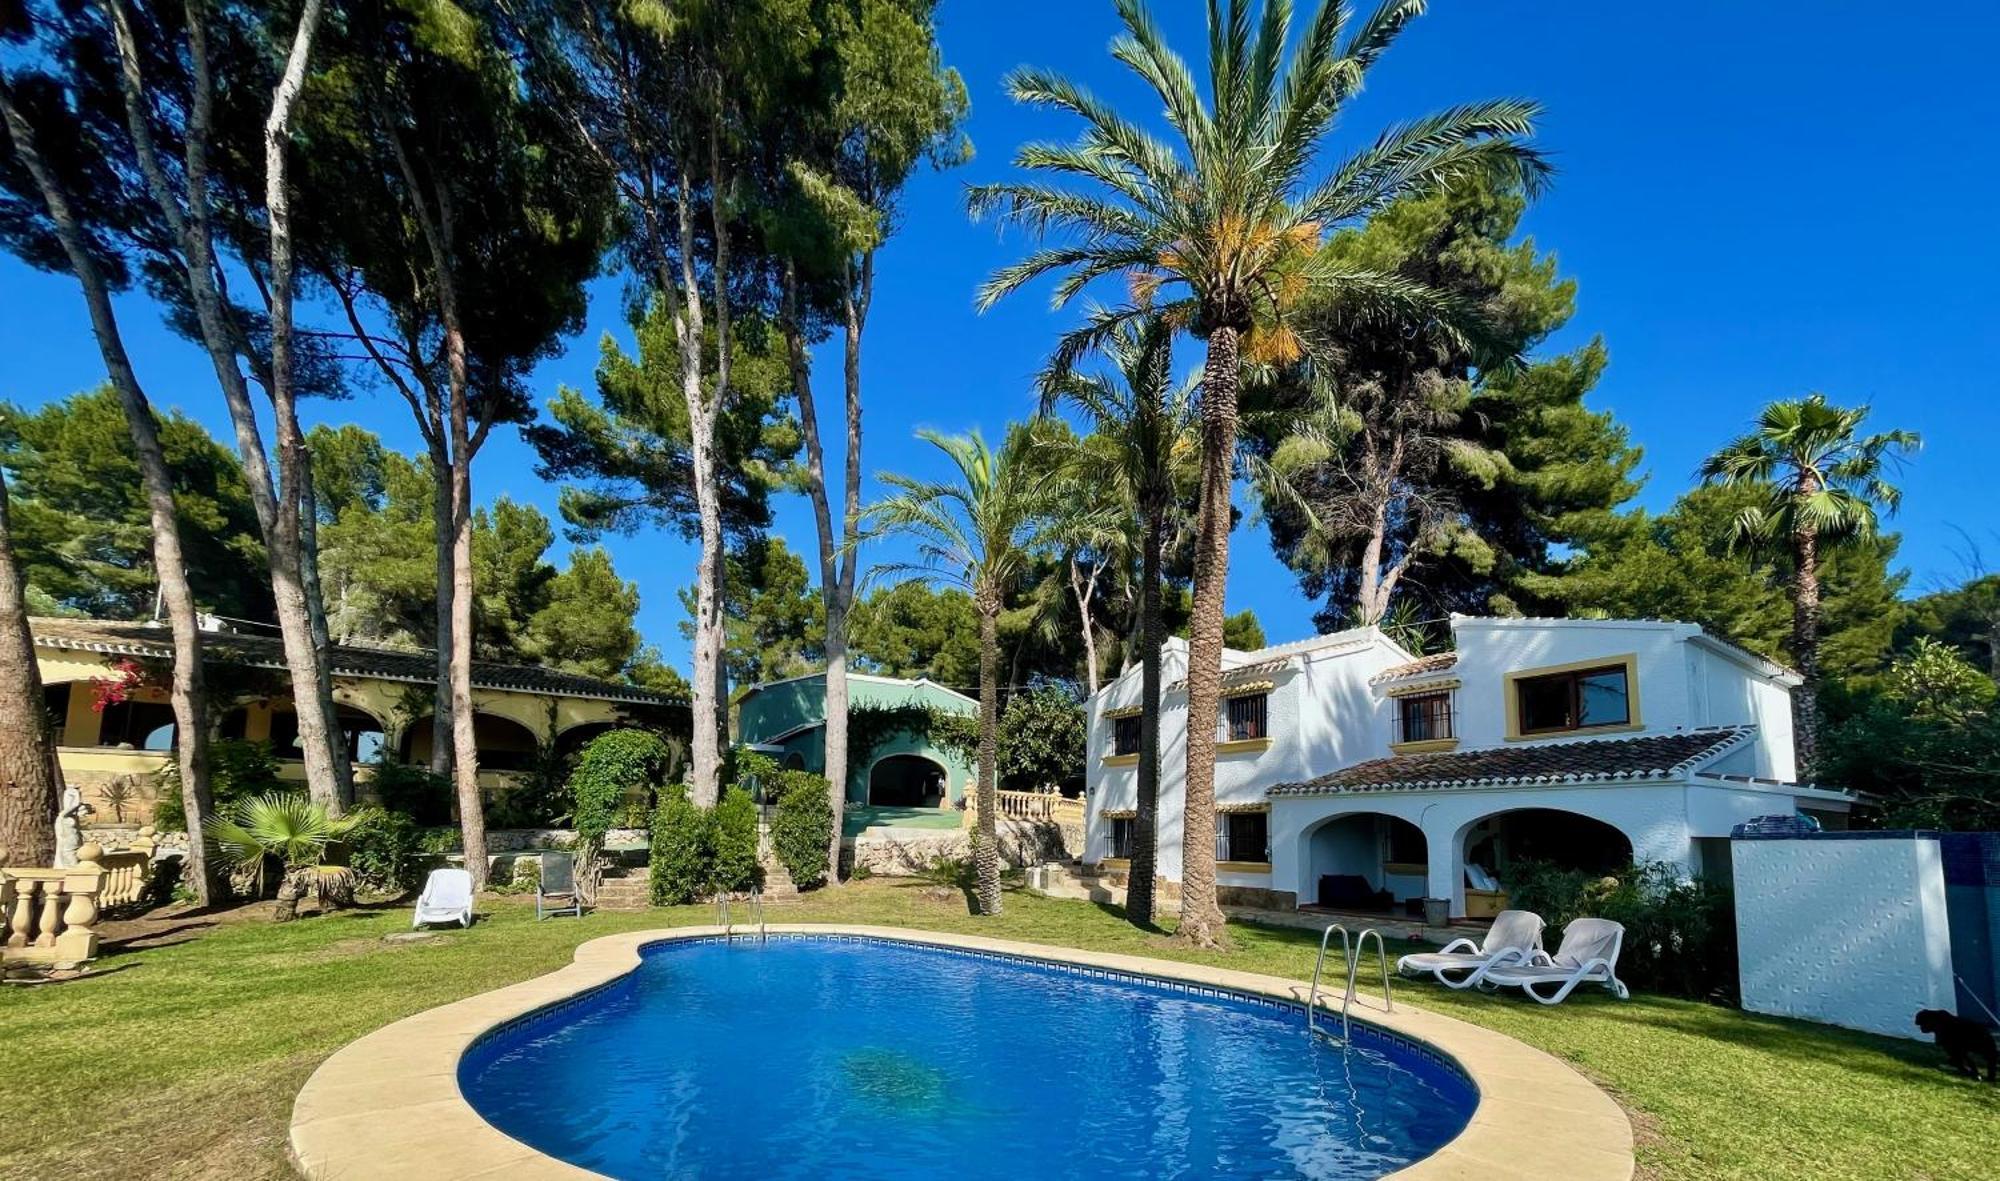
{"x": 1755, "y": 199}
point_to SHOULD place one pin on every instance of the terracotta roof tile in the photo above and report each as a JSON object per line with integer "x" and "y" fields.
{"x": 1651, "y": 756}
{"x": 419, "y": 665}
{"x": 1436, "y": 662}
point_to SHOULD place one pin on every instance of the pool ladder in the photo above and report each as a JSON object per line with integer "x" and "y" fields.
{"x": 1350, "y": 951}
{"x": 724, "y": 919}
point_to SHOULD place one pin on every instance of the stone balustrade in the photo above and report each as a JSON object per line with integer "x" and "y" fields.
{"x": 48, "y": 917}
{"x": 1045, "y": 806}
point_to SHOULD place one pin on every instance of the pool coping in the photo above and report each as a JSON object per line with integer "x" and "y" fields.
{"x": 387, "y": 1105}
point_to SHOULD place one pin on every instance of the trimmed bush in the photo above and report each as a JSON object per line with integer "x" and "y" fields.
{"x": 417, "y": 792}
{"x": 683, "y": 852}
{"x": 735, "y": 842}
{"x": 803, "y": 827}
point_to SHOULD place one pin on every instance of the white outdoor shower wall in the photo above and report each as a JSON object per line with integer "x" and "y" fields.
{"x": 1843, "y": 931}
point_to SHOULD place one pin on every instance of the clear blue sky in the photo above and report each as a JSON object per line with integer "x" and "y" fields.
{"x": 1756, "y": 200}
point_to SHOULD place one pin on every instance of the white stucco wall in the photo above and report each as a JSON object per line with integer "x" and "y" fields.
{"x": 1843, "y": 931}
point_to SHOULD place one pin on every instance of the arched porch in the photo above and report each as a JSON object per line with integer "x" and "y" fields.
{"x": 1365, "y": 861}
{"x": 1495, "y": 848}
{"x": 906, "y": 781}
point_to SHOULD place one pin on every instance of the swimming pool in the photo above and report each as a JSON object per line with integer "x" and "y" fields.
{"x": 849, "y": 1056}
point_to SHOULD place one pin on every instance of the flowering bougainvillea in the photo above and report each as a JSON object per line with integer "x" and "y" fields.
{"x": 126, "y": 677}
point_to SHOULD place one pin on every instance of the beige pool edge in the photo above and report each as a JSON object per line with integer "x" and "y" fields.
{"x": 387, "y": 1105}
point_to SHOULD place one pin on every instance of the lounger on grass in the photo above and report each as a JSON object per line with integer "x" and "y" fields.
{"x": 1516, "y": 937}
{"x": 1588, "y": 955}
{"x": 555, "y": 886}
{"x": 447, "y": 898}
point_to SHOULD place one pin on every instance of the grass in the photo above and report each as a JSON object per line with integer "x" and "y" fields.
{"x": 186, "y": 1051}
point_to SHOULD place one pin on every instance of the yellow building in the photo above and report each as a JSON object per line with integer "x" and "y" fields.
{"x": 105, "y": 681}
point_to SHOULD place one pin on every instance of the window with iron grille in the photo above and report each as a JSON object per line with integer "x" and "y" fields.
{"x": 1248, "y": 717}
{"x": 1121, "y": 837}
{"x": 1243, "y": 836}
{"x": 1424, "y": 717}
{"x": 1125, "y": 735}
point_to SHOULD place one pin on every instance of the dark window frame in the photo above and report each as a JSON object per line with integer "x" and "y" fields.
{"x": 1436, "y": 718}
{"x": 1126, "y": 734}
{"x": 1121, "y": 837}
{"x": 1251, "y": 722}
{"x": 1572, "y": 681}
{"x": 1227, "y": 844}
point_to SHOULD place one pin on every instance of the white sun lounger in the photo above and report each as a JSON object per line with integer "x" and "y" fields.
{"x": 447, "y": 898}
{"x": 1589, "y": 954}
{"x": 1516, "y": 937}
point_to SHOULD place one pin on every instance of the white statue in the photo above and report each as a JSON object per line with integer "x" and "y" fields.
{"x": 69, "y": 827}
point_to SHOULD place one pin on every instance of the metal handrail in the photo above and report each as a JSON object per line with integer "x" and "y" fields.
{"x": 722, "y": 918}
{"x": 1350, "y": 951}
{"x": 757, "y": 906}
{"x": 1346, "y": 952}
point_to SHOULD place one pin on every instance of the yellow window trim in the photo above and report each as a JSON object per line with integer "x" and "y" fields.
{"x": 1129, "y": 711}
{"x": 1405, "y": 868}
{"x": 1131, "y": 760}
{"x": 1511, "y": 697}
{"x": 1234, "y": 809}
{"x": 1242, "y": 746}
{"x": 1117, "y": 862}
{"x": 1249, "y": 689}
{"x": 1244, "y": 866}
{"x": 1425, "y": 688}
{"x": 1120, "y": 814}
{"x": 1424, "y": 747}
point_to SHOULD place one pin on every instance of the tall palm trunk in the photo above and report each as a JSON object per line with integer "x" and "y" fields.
{"x": 1805, "y": 648}
{"x": 1201, "y": 917}
{"x": 986, "y": 856}
{"x": 1146, "y": 819}
{"x": 188, "y": 692}
{"x": 28, "y": 787}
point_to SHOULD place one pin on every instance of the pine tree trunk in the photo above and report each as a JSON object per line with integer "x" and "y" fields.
{"x": 465, "y": 750}
{"x": 1805, "y": 648}
{"x": 1201, "y": 917}
{"x": 706, "y": 786}
{"x": 189, "y": 695}
{"x": 28, "y": 787}
{"x": 1146, "y": 818}
{"x": 986, "y": 855}
{"x": 442, "y": 735}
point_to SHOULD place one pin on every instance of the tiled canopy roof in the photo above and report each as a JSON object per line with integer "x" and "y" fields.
{"x": 1241, "y": 673}
{"x": 1652, "y": 756}
{"x": 148, "y": 640}
{"x": 1436, "y": 662}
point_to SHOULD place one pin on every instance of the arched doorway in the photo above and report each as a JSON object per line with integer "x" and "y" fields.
{"x": 1497, "y": 849}
{"x": 1366, "y": 861}
{"x": 570, "y": 743}
{"x": 503, "y": 744}
{"x": 906, "y": 781}
{"x": 359, "y": 730}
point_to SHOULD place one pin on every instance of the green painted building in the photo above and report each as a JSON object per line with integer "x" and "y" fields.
{"x": 787, "y": 720}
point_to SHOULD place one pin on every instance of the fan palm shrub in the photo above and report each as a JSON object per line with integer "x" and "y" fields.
{"x": 294, "y": 832}
{"x": 1823, "y": 484}
{"x": 1219, "y": 229}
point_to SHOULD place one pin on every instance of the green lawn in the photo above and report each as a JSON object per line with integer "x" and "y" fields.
{"x": 181, "y": 1059}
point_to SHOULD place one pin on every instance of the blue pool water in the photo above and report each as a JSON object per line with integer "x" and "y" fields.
{"x": 825, "y": 1059}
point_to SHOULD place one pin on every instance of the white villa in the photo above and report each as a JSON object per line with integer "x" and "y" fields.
{"x": 1352, "y": 775}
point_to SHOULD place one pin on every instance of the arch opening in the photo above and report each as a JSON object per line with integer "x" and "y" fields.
{"x": 1367, "y": 861}
{"x": 502, "y": 743}
{"x": 906, "y": 781}
{"x": 1498, "y": 849}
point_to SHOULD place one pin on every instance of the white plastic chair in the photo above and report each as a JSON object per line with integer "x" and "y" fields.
{"x": 1516, "y": 938}
{"x": 447, "y": 898}
{"x": 1589, "y": 954}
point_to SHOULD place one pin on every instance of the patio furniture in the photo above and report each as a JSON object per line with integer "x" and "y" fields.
{"x": 1516, "y": 938}
{"x": 447, "y": 898}
{"x": 555, "y": 887}
{"x": 1589, "y": 954}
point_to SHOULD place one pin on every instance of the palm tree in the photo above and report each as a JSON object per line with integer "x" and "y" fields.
{"x": 1823, "y": 485}
{"x": 972, "y": 532}
{"x": 1228, "y": 223}
{"x": 292, "y": 830}
{"x": 1148, "y": 421}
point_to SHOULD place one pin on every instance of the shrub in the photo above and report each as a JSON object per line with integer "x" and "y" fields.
{"x": 683, "y": 853}
{"x": 735, "y": 842}
{"x": 1680, "y": 936}
{"x": 237, "y": 771}
{"x": 615, "y": 767}
{"x": 803, "y": 827}
{"x": 415, "y": 791}
{"x": 388, "y": 854}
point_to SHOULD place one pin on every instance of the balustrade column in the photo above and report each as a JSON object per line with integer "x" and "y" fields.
{"x": 22, "y": 919}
